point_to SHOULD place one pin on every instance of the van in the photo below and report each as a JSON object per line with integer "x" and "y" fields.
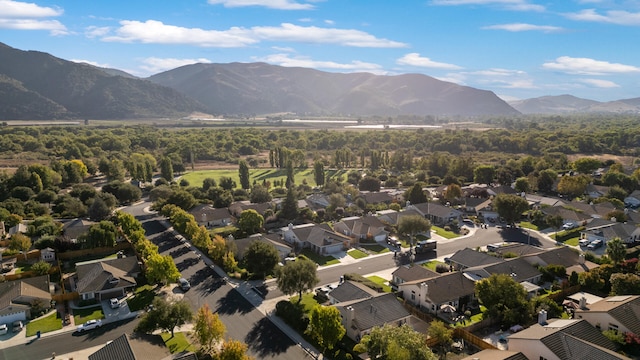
{"x": 184, "y": 284}
{"x": 595, "y": 244}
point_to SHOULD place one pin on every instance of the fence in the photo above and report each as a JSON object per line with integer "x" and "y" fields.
{"x": 66, "y": 296}
{"x": 472, "y": 339}
{"x": 97, "y": 251}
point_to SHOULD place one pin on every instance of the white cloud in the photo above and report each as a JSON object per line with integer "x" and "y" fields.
{"x": 515, "y": 5}
{"x": 306, "y": 62}
{"x": 599, "y": 83}
{"x": 16, "y": 9}
{"x": 96, "y": 31}
{"x": 329, "y": 22}
{"x": 517, "y": 27}
{"x": 272, "y": 4}
{"x": 456, "y": 78}
{"x": 155, "y": 65}
{"x": 588, "y": 66}
{"x": 28, "y": 16}
{"x": 284, "y": 49}
{"x": 618, "y": 17}
{"x": 496, "y": 72}
{"x": 156, "y": 32}
{"x": 414, "y": 59}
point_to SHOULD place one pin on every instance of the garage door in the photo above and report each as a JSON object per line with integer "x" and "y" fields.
{"x": 9, "y": 318}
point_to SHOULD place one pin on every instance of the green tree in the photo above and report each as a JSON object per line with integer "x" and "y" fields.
{"x": 98, "y": 210}
{"x": 395, "y": 343}
{"x": 297, "y": 277}
{"x": 318, "y": 173}
{"x": 415, "y": 195}
{"x": 453, "y": 192}
{"x": 102, "y": 234}
{"x": 182, "y": 198}
{"x": 505, "y": 299}
{"x": 412, "y": 225}
{"x": 227, "y": 183}
{"x": 522, "y": 185}
{"x": 484, "y": 174}
{"x": 166, "y": 316}
{"x": 233, "y": 350}
{"x": 510, "y": 207}
{"x": 616, "y": 250}
{"x": 243, "y": 173}
{"x": 369, "y": 183}
{"x": 20, "y": 242}
{"x": 250, "y": 222}
{"x": 261, "y": 258}
{"x": 41, "y": 267}
{"x": 546, "y": 179}
{"x": 573, "y": 185}
{"x": 290, "y": 205}
{"x": 625, "y": 284}
{"x": 161, "y": 269}
{"x": 325, "y": 326}
{"x": 166, "y": 169}
{"x": 586, "y": 165}
{"x": 290, "y": 175}
{"x": 128, "y": 223}
{"x": 259, "y": 194}
{"x": 208, "y": 328}
{"x": 441, "y": 331}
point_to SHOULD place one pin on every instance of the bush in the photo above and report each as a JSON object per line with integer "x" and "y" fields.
{"x": 292, "y": 314}
{"x": 442, "y": 268}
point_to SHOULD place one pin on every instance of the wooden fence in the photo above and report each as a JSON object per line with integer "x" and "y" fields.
{"x": 66, "y": 296}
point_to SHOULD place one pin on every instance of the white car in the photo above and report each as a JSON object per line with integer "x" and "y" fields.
{"x": 4, "y": 329}
{"x": 114, "y": 303}
{"x": 89, "y": 325}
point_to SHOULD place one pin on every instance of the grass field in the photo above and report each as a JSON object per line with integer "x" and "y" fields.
{"x": 357, "y": 254}
{"x": 195, "y": 178}
{"x": 49, "y": 323}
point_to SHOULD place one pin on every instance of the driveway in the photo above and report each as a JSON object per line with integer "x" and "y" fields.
{"x": 117, "y": 314}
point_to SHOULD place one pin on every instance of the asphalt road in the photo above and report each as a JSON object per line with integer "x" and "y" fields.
{"x": 243, "y": 321}
{"x": 68, "y": 342}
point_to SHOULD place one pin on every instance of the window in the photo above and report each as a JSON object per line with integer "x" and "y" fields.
{"x": 413, "y": 295}
{"x": 613, "y": 327}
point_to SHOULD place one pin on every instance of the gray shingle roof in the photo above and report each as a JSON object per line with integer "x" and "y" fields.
{"x": 97, "y": 276}
{"x": 625, "y": 309}
{"x": 377, "y": 311}
{"x": 470, "y": 258}
{"x": 35, "y": 287}
{"x": 133, "y": 347}
{"x": 448, "y": 287}
{"x": 412, "y": 273}
{"x": 350, "y": 290}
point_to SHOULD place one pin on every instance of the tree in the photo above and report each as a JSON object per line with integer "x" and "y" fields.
{"x": 412, "y": 225}
{"x": 102, "y": 234}
{"x": 182, "y": 198}
{"x": 161, "y": 269}
{"x": 546, "y": 179}
{"x": 46, "y": 197}
{"x": 261, "y": 257}
{"x": 233, "y": 350}
{"x": 227, "y": 183}
{"x": 369, "y": 183}
{"x": 208, "y": 183}
{"x": 208, "y": 328}
{"x": 415, "y": 195}
{"x": 318, "y": 173}
{"x": 510, "y": 207}
{"x": 243, "y": 173}
{"x": 505, "y": 299}
{"x": 290, "y": 205}
{"x": 297, "y": 277}
{"x": 290, "y": 175}
{"x": 250, "y": 222}
{"x": 259, "y": 194}
{"x": 484, "y": 174}
{"x": 165, "y": 316}
{"x": 453, "y": 192}
{"x": 41, "y": 267}
{"x": 573, "y": 185}
{"x": 166, "y": 168}
{"x": 586, "y": 165}
{"x": 625, "y": 284}
{"x": 128, "y": 223}
{"x": 522, "y": 185}
{"x": 616, "y": 250}
{"x": 394, "y": 343}
{"x": 99, "y": 210}
{"x": 325, "y": 326}
{"x": 20, "y": 242}
{"x": 555, "y": 221}
{"x": 442, "y": 332}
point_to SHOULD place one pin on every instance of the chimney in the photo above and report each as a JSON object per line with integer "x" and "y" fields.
{"x": 542, "y": 317}
{"x": 583, "y": 303}
{"x": 350, "y": 316}
{"x": 581, "y": 259}
{"x": 290, "y": 226}
{"x": 424, "y": 291}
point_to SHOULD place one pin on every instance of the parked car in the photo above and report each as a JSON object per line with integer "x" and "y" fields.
{"x": 595, "y": 244}
{"x": 89, "y": 325}
{"x": 17, "y": 326}
{"x": 393, "y": 241}
{"x": 184, "y": 284}
{"x": 4, "y": 329}
{"x": 584, "y": 242}
{"x": 114, "y": 303}
{"x": 568, "y": 226}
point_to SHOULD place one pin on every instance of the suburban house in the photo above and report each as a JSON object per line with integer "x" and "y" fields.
{"x": 501, "y": 189}
{"x": 48, "y": 254}
{"x": 596, "y": 211}
{"x": 519, "y": 269}
{"x": 559, "y": 339}
{"x": 476, "y": 205}
{"x": 438, "y": 214}
{"x": 18, "y": 228}
{"x": 619, "y": 313}
{"x": 238, "y": 207}
{"x": 606, "y": 231}
{"x": 208, "y": 216}
{"x": 106, "y": 279}
{"x": 318, "y": 201}
{"x": 596, "y": 191}
{"x": 72, "y": 230}
{"x": 433, "y": 294}
{"x": 321, "y": 239}
{"x": 537, "y": 201}
{"x": 468, "y": 258}
{"x": 565, "y": 256}
{"x": 633, "y": 200}
{"x": 408, "y": 273}
{"x": 16, "y": 297}
{"x": 349, "y": 291}
{"x": 393, "y": 217}
{"x": 376, "y": 197}
{"x": 569, "y": 217}
{"x": 495, "y": 354}
{"x": 284, "y": 249}
{"x": 138, "y": 347}
{"x": 361, "y": 228}
{"x": 360, "y": 316}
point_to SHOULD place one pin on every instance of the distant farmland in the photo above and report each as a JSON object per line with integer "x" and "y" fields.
{"x": 195, "y": 178}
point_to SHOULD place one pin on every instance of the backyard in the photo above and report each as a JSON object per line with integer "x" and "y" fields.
{"x": 195, "y": 178}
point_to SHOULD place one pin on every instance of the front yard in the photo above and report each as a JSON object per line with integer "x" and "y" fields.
{"x": 80, "y": 316}
{"x": 357, "y": 254}
{"x": 48, "y": 323}
{"x": 178, "y": 343}
{"x": 321, "y": 260}
{"x": 444, "y": 233}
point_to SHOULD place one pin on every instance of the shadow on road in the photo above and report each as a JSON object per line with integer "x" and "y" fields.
{"x": 519, "y": 235}
{"x": 233, "y": 303}
{"x": 266, "y": 340}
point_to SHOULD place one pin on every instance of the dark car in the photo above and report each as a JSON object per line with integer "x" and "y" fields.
{"x": 184, "y": 284}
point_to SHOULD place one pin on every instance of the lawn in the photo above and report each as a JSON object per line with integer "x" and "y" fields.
{"x": 143, "y": 296}
{"x": 195, "y": 178}
{"x": 442, "y": 232}
{"x": 375, "y": 248}
{"x": 320, "y": 259}
{"x": 308, "y": 301}
{"x": 528, "y": 225}
{"x": 177, "y": 343}
{"x": 49, "y": 323}
{"x": 380, "y": 281}
{"x": 431, "y": 265}
{"x": 573, "y": 241}
{"x": 357, "y": 254}
{"x": 80, "y": 316}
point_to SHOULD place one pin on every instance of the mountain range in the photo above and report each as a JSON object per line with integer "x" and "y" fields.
{"x": 36, "y": 85}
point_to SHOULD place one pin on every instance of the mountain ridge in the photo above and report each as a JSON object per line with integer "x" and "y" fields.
{"x": 569, "y": 104}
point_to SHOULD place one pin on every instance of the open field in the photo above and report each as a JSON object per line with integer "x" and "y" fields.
{"x": 195, "y": 178}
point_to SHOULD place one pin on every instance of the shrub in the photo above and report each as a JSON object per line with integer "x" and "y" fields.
{"x": 292, "y": 314}
{"x": 442, "y": 268}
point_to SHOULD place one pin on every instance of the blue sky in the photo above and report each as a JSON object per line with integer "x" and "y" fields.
{"x": 515, "y": 48}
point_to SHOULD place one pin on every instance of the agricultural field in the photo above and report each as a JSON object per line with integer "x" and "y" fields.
{"x": 195, "y": 178}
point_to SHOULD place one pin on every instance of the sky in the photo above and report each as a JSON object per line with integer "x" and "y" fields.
{"x": 518, "y": 49}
